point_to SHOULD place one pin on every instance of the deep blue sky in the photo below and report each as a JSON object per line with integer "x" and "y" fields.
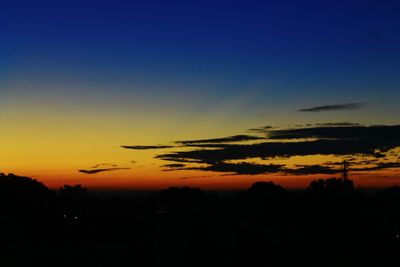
{"x": 292, "y": 52}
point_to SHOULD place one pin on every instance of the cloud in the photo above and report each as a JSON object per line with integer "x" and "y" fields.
{"x": 338, "y": 124}
{"x": 235, "y": 138}
{"x": 241, "y": 168}
{"x": 367, "y": 147}
{"x": 347, "y": 106}
{"x": 104, "y": 165}
{"x": 344, "y": 140}
{"x": 174, "y": 166}
{"x": 374, "y": 136}
{"x": 379, "y": 166}
{"x": 101, "y": 170}
{"x": 195, "y": 177}
{"x": 312, "y": 169}
{"x": 146, "y": 147}
{"x": 270, "y": 150}
{"x": 261, "y": 129}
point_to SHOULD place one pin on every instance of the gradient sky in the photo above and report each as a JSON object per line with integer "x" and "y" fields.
{"x": 80, "y": 79}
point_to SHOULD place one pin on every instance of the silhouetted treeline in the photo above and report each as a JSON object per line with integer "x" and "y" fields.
{"x": 328, "y": 224}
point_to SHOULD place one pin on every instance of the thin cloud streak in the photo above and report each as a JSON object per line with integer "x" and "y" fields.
{"x": 336, "y": 107}
{"x": 229, "y": 139}
{"x": 146, "y": 147}
{"x": 101, "y": 170}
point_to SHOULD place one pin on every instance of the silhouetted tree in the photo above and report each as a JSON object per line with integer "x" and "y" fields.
{"x": 330, "y": 186}
{"x": 262, "y": 190}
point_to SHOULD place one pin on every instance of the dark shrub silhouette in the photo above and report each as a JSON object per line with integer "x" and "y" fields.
{"x": 263, "y": 190}
{"x": 330, "y": 186}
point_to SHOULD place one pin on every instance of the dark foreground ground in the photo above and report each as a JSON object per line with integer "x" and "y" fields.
{"x": 329, "y": 224}
{"x": 129, "y": 256}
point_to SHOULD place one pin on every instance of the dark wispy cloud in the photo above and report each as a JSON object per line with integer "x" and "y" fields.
{"x": 240, "y": 168}
{"x": 146, "y": 147}
{"x": 346, "y": 106}
{"x": 312, "y": 169}
{"x": 338, "y": 124}
{"x": 229, "y": 139}
{"x": 195, "y": 177}
{"x": 104, "y": 165}
{"x": 365, "y": 146}
{"x": 269, "y": 129}
{"x": 346, "y": 140}
{"x": 246, "y": 168}
{"x": 375, "y": 136}
{"x": 379, "y": 166}
{"x": 261, "y": 129}
{"x": 174, "y": 166}
{"x": 94, "y": 171}
{"x": 269, "y": 150}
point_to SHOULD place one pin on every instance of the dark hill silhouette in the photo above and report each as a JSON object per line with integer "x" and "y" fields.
{"x": 264, "y": 225}
{"x": 11, "y": 182}
{"x": 28, "y": 210}
{"x": 23, "y": 195}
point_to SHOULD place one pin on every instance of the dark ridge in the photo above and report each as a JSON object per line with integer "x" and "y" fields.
{"x": 183, "y": 226}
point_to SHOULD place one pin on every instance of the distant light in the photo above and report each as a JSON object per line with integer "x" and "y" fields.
{"x": 64, "y": 215}
{"x": 76, "y": 217}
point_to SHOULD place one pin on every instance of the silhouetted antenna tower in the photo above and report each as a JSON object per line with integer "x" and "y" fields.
{"x": 345, "y": 166}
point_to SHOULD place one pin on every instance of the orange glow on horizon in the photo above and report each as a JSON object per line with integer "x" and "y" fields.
{"x": 208, "y": 181}
{"x": 52, "y": 143}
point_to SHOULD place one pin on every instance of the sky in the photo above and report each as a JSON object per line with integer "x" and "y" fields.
{"x": 115, "y": 94}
